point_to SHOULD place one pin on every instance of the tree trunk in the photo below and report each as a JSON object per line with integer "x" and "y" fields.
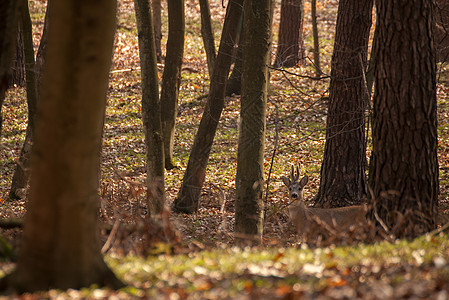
{"x": 60, "y": 246}
{"x": 21, "y": 173}
{"x": 8, "y": 33}
{"x": 404, "y": 173}
{"x": 249, "y": 179}
{"x": 18, "y": 65}
{"x": 42, "y": 51}
{"x": 151, "y": 107}
{"x": 157, "y": 27}
{"x": 234, "y": 84}
{"x": 290, "y": 50}
{"x": 442, "y": 30}
{"x": 171, "y": 78}
{"x": 343, "y": 179}
{"x": 316, "y": 40}
{"x": 207, "y": 33}
{"x": 188, "y": 196}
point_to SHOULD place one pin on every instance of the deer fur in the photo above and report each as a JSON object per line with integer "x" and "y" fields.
{"x": 303, "y": 217}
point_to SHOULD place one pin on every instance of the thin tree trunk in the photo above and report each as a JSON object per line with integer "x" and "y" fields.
{"x": 290, "y": 49}
{"x": 249, "y": 179}
{"x": 316, "y": 41}
{"x": 171, "y": 78}
{"x": 21, "y": 173}
{"x": 157, "y": 27}
{"x": 42, "y": 51}
{"x": 151, "y": 107}
{"x": 442, "y": 30}
{"x": 60, "y": 247}
{"x": 9, "y": 11}
{"x": 234, "y": 84}
{"x": 343, "y": 179}
{"x": 18, "y": 65}
{"x": 404, "y": 173}
{"x": 188, "y": 196}
{"x": 207, "y": 33}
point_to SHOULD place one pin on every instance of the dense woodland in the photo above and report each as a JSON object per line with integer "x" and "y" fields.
{"x": 164, "y": 148}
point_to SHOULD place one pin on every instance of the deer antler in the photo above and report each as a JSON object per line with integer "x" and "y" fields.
{"x": 295, "y": 176}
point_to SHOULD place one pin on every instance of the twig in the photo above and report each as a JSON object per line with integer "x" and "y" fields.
{"x": 387, "y": 235}
{"x": 111, "y": 238}
{"x": 300, "y": 76}
{"x": 274, "y": 151}
{"x": 439, "y": 230}
{"x": 125, "y": 70}
{"x": 367, "y": 96}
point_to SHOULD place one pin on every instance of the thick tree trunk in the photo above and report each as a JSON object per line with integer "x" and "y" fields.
{"x": 188, "y": 196}
{"x": 207, "y": 33}
{"x": 21, "y": 173}
{"x": 9, "y": 11}
{"x": 157, "y": 27}
{"x": 60, "y": 246}
{"x": 151, "y": 107}
{"x": 290, "y": 50}
{"x": 249, "y": 179}
{"x": 171, "y": 78}
{"x": 404, "y": 173}
{"x": 343, "y": 179}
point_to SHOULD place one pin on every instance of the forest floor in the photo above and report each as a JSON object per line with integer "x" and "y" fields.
{"x": 200, "y": 260}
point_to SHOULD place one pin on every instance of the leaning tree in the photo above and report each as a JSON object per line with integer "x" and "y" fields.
{"x": 189, "y": 193}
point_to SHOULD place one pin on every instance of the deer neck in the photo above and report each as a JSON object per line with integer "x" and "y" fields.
{"x": 298, "y": 214}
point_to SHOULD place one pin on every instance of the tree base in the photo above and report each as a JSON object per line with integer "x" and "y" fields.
{"x": 15, "y": 283}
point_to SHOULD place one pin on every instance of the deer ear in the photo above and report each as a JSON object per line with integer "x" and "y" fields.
{"x": 304, "y": 181}
{"x": 286, "y": 180}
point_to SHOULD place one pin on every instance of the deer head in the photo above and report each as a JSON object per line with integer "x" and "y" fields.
{"x": 295, "y": 186}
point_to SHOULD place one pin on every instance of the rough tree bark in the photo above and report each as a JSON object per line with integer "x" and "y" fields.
{"x": 188, "y": 196}
{"x": 290, "y": 49}
{"x": 207, "y": 33}
{"x": 404, "y": 171}
{"x": 156, "y": 6}
{"x": 151, "y": 107}
{"x": 8, "y": 33}
{"x": 21, "y": 173}
{"x": 60, "y": 246}
{"x": 171, "y": 77}
{"x": 343, "y": 180}
{"x": 249, "y": 179}
{"x": 18, "y": 65}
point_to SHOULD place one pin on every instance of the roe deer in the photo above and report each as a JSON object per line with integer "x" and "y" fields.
{"x": 340, "y": 218}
